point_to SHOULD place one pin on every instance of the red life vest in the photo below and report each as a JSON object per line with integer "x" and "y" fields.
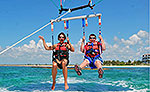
{"x": 61, "y": 49}
{"x": 61, "y": 46}
{"x": 92, "y": 49}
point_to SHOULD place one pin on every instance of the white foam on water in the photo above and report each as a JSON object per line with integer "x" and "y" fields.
{"x": 56, "y": 91}
{"x": 48, "y": 91}
{"x": 121, "y": 83}
{"x": 5, "y": 90}
{"x": 124, "y": 84}
{"x": 76, "y": 80}
{"x": 60, "y": 80}
{"x": 117, "y": 83}
{"x": 46, "y": 82}
{"x": 70, "y": 80}
{"x": 141, "y": 90}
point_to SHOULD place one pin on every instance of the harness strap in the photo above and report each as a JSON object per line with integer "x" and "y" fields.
{"x": 61, "y": 53}
{"x": 93, "y": 50}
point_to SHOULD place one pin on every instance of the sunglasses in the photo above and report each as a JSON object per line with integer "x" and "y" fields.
{"x": 92, "y": 37}
{"x": 61, "y": 37}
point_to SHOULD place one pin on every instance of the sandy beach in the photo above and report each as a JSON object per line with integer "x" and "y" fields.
{"x": 69, "y": 66}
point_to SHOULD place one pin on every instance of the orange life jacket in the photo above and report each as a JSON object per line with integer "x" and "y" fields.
{"x": 61, "y": 50}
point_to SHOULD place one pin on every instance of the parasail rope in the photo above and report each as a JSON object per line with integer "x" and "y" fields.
{"x": 34, "y": 32}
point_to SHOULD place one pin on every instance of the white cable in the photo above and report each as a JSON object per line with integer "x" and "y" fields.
{"x": 32, "y": 33}
{"x": 78, "y": 17}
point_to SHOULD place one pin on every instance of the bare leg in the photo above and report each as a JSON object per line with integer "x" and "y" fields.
{"x": 98, "y": 64}
{"x": 64, "y": 62}
{"x": 84, "y": 63}
{"x": 54, "y": 73}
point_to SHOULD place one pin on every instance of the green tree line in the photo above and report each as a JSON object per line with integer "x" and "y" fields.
{"x": 129, "y": 62}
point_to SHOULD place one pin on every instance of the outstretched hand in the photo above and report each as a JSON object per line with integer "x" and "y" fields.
{"x": 100, "y": 37}
{"x": 83, "y": 39}
{"x": 41, "y": 37}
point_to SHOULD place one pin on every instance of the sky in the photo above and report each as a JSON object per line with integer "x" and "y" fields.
{"x": 125, "y": 29}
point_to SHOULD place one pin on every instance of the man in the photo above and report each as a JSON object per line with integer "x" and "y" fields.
{"x": 92, "y": 50}
{"x": 60, "y": 57}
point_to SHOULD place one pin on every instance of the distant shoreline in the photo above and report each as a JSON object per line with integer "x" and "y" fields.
{"x": 71, "y": 67}
{"x": 49, "y": 65}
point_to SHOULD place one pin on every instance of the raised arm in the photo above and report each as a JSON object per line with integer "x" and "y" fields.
{"x": 45, "y": 45}
{"x": 102, "y": 41}
{"x": 82, "y": 45}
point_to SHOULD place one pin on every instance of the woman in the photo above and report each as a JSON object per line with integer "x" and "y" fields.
{"x": 60, "y": 57}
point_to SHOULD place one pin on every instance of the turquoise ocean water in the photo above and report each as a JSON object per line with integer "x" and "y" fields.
{"x": 18, "y": 79}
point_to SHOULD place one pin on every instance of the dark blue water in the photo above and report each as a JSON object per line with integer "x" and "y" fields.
{"x": 39, "y": 79}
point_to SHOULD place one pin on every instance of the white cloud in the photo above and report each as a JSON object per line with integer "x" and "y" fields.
{"x": 36, "y": 53}
{"x": 134, "y": 39}
{"x": 132, "y": 48}
{"x": 115, "y": 46}
{"x": 128, "y": 47}
{"x": 39, "y": 44}
{"x": 77, "y": 47}
{"x": 29, "y": 53}
{"x": 116, "y": 38}
{"x": 147, "y": 48}
{"x": 142, "y": 34}
{"x": 32, "y": 44}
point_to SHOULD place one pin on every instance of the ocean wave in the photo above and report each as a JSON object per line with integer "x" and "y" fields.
{"x": 56, "y": 91}
{"x": 60, "y": 80}
{"x": 5, "y": 90}
{"x": 124, "y": 84}
{"x": 117, "y": 83}
{"x": 142, "y": 90}
{"x": 121, "y": 85}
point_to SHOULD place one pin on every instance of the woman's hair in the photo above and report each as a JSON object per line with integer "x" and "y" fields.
{"x": 62, "y": 34}
{"x": 92, "y": 35}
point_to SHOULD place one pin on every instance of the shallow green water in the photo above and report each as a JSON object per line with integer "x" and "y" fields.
{"x": 38, "y": 79}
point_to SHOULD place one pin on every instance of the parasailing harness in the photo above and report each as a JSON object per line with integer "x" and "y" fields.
{"x": 92, "y": 51}
{"x": 61, "y": 51}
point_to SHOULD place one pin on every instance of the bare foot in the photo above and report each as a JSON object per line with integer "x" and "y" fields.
{"x": 53, "y": 86}
{"x": 66, "y": 86}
